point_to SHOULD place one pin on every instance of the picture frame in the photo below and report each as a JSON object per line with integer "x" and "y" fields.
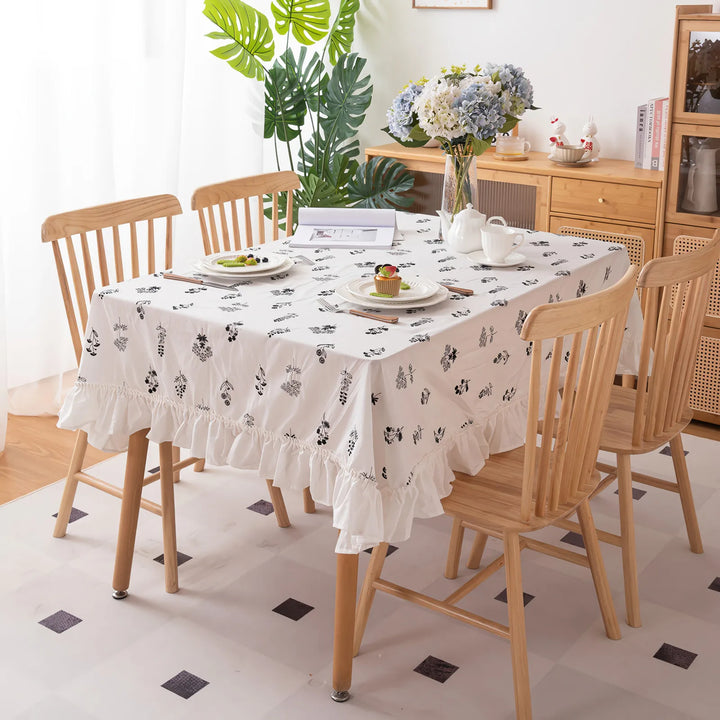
{"x": 456, "y": 4}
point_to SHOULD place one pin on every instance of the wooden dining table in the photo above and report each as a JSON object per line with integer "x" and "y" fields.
{"x": 373, "y": 417}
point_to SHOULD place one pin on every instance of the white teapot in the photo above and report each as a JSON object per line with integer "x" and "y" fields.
{"x": 464, "y": 233}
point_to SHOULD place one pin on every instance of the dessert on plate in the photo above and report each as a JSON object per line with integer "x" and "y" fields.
{"x": 387, "y": 280}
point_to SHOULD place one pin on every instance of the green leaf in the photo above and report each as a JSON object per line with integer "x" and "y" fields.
{"x": 309, "y": 20}
{"x": 249, "y": 31}
{"x": 379, "y": 183}
{"x": 510, "y": 123}
{"x": 316, "y": 192}
{"x": 418, "y": 137}
{"x": 285, "y": 102}
{"x": 343, "y": 30}
{"x": 480, "y": 146}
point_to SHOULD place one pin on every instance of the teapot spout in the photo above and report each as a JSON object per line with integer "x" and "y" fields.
{"x": 445, "y": 221}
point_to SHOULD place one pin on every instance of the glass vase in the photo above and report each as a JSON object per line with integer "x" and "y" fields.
{"x": 459, "y": 184}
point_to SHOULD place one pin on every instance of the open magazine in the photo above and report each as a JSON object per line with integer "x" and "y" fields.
{"x": 344, "y": 228}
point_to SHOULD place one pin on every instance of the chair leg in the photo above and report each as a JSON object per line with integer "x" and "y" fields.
{"x": 476, "y": 553}
{"x": 176, "y": 459}
{"x": 71, "y": 483}
{"x": 367, "y": 593}
{"x": 627, "y": 535}
{"x": 199, "y": 466}
{"x": 516, "y": 622}
{"x": 167, "y": 493}
{"x": 597, "y": 568}
{"x": 454, "y": 549}
{"x": 686, "y": 498}
{"x": 276, "y": 497}
{"x": 308, "y": 502}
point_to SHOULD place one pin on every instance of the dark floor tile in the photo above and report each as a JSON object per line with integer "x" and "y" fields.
{"x": 675, "y": 656}
{"x": 60, "y": 621}
{"x": 715, "y": 584}
{"x": 436, "y": 669}
{"x": 185, "y": 684}
{"x": 75, "y": 514}
{"x": 262, "y": 506}
{"x": 527, "y": 597}
{"x": 637, "y": 493}
{"x": 391, "y": 550}
{"x": 666, "y": 451}
{"x": 293, "y": 609}
{"x": 181, "y": 558}
{"x": 573, "y": 538}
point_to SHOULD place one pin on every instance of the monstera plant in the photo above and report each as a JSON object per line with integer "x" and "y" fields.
{"x": 314, "y": 101}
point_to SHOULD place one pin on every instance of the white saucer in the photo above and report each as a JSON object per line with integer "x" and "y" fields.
{"x": 202, "y": 269}
{"x": 441, "y": 295}
{"x": 514, "y": 258}
{"x": 419, "y": 289}
{"x": 576, "y": 163}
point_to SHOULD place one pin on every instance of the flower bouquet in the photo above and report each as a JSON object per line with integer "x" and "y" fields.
{"x": 464, "y": 110}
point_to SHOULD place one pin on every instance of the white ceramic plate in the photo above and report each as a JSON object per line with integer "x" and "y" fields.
{"x": 419, "y": 290}
{"x": 211, "y": 262}
{"x": 373, "y": 302}
{"x": 514, "y": 258}
{"x": 264, "y": 272}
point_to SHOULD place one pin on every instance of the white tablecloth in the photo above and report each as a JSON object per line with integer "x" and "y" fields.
{"x": 372, "y": 416}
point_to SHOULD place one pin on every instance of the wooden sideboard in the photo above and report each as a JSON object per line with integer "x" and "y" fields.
{"x": 609, "y": 195}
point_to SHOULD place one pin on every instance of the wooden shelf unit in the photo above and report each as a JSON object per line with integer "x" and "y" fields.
{"x": 609, "y": 195}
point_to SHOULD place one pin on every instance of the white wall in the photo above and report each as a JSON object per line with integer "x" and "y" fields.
{"x": 597, "y": 57}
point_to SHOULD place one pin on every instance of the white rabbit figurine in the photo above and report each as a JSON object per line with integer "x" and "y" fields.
{"x": 588, "y": 141}
{"x": 557, "y": 139}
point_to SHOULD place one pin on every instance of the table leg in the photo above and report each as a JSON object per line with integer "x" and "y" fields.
{"x": 345, "y": 595}
{"x": 129, "y": 511}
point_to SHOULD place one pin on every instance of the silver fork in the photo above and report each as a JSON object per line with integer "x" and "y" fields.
{"x": 334, "y": 308}
{"x": 303, "y": 259}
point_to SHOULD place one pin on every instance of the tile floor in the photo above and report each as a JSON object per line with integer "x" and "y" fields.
{"x": 249, "y": 635}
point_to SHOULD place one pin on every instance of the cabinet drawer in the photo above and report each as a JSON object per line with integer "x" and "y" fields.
{"x": 705, "y": 388}
{"x": 632, "y": 203}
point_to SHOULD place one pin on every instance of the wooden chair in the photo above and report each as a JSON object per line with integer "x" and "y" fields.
{"x": 213, "y": 203}
{"x": 531, "y": 487}
{"x": 123, "y": 231}
{"x": 634, "y": 243}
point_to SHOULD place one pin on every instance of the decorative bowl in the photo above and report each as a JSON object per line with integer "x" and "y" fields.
{"x": 568, "y": 153}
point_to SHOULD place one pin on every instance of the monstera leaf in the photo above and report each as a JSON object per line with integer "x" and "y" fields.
{"x": 343, "y": 30}
{"x": 417, "y": 138}
{"x": 317, "y": 192}
{"x": 249, "y": 31}
{"x": 378, "y": 184}
{"x": 285, "y": 105}
{"x": 309, "y": 20}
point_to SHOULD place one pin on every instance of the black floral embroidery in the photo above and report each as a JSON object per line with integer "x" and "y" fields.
{"x": 203, "y": 406}
{"x": 402, "y": 377}
{"x": 499, "y": 303}
{"x": 282, "y": 318}
{"x": 201, "y": 347}
{"x": 92, "y": 342}
{"x": 607, "y": 273}
{"x": 234, "y": 307}
{"x": 151, "y": 380}
{"x": 529, "y": 283}
{"x": 486, "y": 391}
{"x": 278, "y": 331}
{"x": 323, "y": 431}
{"x": 225, "y": 389}
{"x": 81, "y": 379}
{"x": 140, "y": 307}
{"x": 292, "y": 385}
{"x": 554, "y": 298}
{"x": 421, "y": 321}
{"x": 283, "y": 291}
{"x": 582, "y": 289}
{"x": 502, "y": 357}
{"x": 561, "y": 261}
{"x": 417, "y": 435}
{"x": 462, "y": 387}
{"x": 149, "y": 290}
{"x": 345, "y": 382}
{"x": 195, "y": 290}
{"x": 103, "y": 293}
{"x": 180, "y": 383}
{"x": 549, "y": 253}
{"x": 232, "y": 330}
{"x": 323, "y": 329}
{"x": 280, "y": 305}
{"x": 439, "y": 434}
{"x": 509, "y": 394}
{"x": 424, "y": 396}
{"x": 522, "y": 316}
{"x": 181, "y": 306}
{"x": 121, "y": 341}
{"x": 392, "y": 434}
{"x": 376, "y": 330}
{"x": 321, "y": 351}
{"x": 579, "y": 243}
{"x": 615, "y": 248}
{"x": 162, "y": 334}
{"x": 562, "y": 273}
{"x": 497, "y": 289}
{"x": 461, "y": 313}
{"x": 373, "y": 352}
{"x": 487, "y": 335}
{"x": 352, "y": 441}
{"x": 448, "y": 358}
{"x": 261, "y": 381}
{"x": 588, "y": 256}
{"x": 375, "y": 398}
{"x": 489, "y": 279}
{"x": 422, "y": 337}
{"x": 540, "y": 243}
{"x": 248, "y": 420}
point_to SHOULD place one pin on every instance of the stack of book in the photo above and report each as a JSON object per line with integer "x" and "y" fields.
{"x": 651, "y": 134}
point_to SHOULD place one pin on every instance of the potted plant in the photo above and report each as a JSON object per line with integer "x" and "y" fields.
{"x": 314, "y": 101}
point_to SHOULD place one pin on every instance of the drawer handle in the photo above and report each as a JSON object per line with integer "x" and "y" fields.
{"x": 601, "y": 200}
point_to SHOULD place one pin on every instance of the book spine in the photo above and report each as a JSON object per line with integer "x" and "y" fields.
{"x": 664, "y": 133}
{"x": 649, "y": 122}
{"x": 657, "y": 133}
{"x": 640, "y": 135}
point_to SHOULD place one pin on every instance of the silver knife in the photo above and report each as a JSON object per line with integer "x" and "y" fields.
{"x": 196, "y": 281}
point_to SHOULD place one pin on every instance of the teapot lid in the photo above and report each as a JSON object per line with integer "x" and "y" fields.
{"x": 469, "y": 212}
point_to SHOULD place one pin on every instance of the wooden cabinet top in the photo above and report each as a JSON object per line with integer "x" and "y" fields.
{"x": 604, "y": 170}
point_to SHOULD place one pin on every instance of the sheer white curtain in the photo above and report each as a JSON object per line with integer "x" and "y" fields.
{"x": 105, "y": 101}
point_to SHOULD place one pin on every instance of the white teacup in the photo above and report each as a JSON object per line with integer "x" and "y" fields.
{"x": 498, "y": 240}
{"x": 512, "y": 146}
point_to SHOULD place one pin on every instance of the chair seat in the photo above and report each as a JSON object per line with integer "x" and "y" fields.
{"x": 618, "y": 428}
{"x": 491, "y": 499}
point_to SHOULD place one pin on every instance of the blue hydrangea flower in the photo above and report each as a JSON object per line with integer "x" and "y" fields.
{"x": 400, "y": 115}
{"x": 480, "y": 110}
{"x": 518, "y": 88}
